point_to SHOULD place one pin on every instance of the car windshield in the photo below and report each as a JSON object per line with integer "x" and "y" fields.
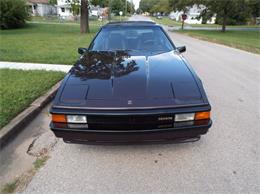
{"x": 132, "y": 38}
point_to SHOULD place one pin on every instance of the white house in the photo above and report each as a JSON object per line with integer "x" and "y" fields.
{"x": 41, "y": 8}
{"x": 192, "y": 15}
{"x": 64, "y": 9}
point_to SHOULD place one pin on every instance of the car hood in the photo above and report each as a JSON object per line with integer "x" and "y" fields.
{"x": 124, "y": 80}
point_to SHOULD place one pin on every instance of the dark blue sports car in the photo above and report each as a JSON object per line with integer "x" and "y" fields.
{"x": 131, "y": 85}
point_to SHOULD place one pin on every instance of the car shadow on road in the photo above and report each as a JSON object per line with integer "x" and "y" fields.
{"x": 141, "y": 147}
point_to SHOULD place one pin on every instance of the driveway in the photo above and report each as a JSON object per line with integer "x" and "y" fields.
{"x": 226, "y": 160}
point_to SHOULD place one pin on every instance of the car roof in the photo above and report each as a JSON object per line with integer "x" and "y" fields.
{"x": 131, "y": 23}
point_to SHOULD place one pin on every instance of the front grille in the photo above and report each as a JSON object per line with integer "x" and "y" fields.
{"x": 132, "y": 122}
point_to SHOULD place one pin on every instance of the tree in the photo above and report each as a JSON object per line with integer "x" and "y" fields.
{"x": 53, "y": 2}
{"x": 109, "y": 9}
{"x": 138, "y": 11}
{"x": 146, "y": 5}
{"x": 101, "y": 3}
{"x": 182, "y": 5}
{"x": 254, "y": 7}
{"x": 161, "y": 6}
{"x": 13, "y": 14}
{"x": 75, "y": 7}
{"x": 130, "y": 7}
{"x": 228, "y": 11}
{"x": 117, "y": 6}
{"x": 84, "y": 16}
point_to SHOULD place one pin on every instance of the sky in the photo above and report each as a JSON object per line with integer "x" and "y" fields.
{"x": 136, "y": 2}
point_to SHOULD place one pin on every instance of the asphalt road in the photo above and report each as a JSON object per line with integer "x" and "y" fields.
{"x": 226, "y": 160}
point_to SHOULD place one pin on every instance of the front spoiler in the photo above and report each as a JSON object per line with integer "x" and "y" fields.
{"x": 154, "y": 136}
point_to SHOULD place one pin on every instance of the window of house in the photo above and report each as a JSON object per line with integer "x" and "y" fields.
{"x": 62, "y": 9}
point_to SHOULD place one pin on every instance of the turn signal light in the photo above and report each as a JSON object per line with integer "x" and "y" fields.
{"x": 202, "y": 115}
{"x": 59, "y": 118}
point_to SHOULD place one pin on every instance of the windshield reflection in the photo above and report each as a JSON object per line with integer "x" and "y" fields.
{"x": 104, "y": 65}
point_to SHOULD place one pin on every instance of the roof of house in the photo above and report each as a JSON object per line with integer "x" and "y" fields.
{"x": 38, "y": 1}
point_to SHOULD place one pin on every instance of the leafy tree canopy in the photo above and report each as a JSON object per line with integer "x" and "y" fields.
{"x": 53, "y": 2}
{"x": 227, "y": 11}
{"x": 120, "y": 5}
{"x": 147, "y": 5}
{"x": 162, "y": 6}
{"x": 101, "y": 3}
{"x": 13, "y": 14}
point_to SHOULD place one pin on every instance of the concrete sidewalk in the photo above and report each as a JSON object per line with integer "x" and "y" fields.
{"x": 34, "y": 66}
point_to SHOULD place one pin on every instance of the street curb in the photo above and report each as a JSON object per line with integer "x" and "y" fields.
{"x": 16, "y": 125}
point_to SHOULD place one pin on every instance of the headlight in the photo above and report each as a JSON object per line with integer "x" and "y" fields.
{"x": 76, "y": 119}
{"x": 192, "y": 116}
{"x": 184, "y": 117}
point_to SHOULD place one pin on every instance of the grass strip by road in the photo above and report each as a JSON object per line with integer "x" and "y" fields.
{"x": 40, "y": 162}
{"x": 169, "y": 22}
{"x": 19, "y": 183}
{"x": 19, "y": 88}
{"x": 44, "y": 43}
{"x": 9, "y": 188}
{"x": 166, "y": 21}
{"x": 245, "y": 40}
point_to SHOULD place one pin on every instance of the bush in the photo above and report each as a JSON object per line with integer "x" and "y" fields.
{"x": 13, "y": 13}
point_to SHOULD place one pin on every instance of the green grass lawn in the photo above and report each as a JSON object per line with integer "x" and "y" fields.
{"x": 92, "y": 22}
{"x": 168, "y": 22}
{"x": 245, "y": 40}
{"x": 44, "y": 43}
{"x": 55, "y": 19}
{"x": 18, "y": 89}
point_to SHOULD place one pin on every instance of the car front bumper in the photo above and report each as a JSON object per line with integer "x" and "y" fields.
{"x": 167, "y": 135}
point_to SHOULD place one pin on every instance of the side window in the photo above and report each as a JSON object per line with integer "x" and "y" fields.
{"x": 163, "y": 40}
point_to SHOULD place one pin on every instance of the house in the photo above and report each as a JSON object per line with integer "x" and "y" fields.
{"x": 192, "y": 15}
{"x": 64, "y": 9}
{"x": 41, "y": 8}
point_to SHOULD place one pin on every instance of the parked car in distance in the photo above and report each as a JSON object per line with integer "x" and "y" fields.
{"x": 131, "y": 85}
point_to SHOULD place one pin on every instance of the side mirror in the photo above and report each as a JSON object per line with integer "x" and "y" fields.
{"x": 82, "y": 50}
{"x": 181, "y": 49}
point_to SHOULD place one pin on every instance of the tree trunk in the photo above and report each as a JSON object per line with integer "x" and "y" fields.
{"x": 182, "y": 24}
{"x": 224, "y": 21}
{"x": 125, "y": 7}
{"x": 84, "y": 25}
{"x": 109, "y": 10}
{"x": 224, "y": 24}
